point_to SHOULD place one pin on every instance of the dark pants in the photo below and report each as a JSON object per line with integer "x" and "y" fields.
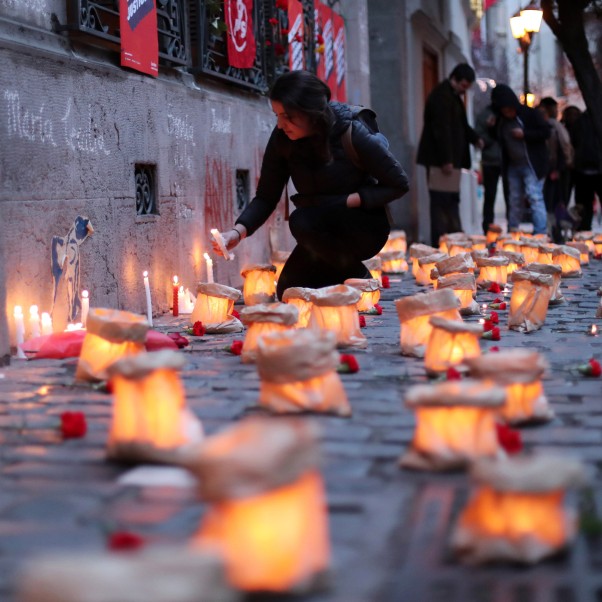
{"x": 585, "y": 188}
{"x": 445, "y": 214}
{"x": 332, "y": 242}
{"x": 491, "y": 176}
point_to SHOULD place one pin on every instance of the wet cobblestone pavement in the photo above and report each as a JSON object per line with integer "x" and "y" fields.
{"x": 389, "y": 527}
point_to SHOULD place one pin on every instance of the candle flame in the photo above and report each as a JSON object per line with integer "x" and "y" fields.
{"x": 145, "y": 274}
{"x": 18, "y": 311}
{"x": 481, "y": 321}
{"x": 206, "y": 256}
{"x": 85, "y": 294}
{"x": 594, "y": 329}
{"x": 33, "y": 310}
{"x": 175, "y": 281}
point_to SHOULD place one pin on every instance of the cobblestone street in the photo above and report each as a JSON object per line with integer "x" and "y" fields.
{"x": 389, "y": 527}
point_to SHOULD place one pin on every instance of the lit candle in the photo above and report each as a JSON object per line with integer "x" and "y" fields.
{"x": 594, "y": 330}
{"x": 175, "y": 293}
{"x": 149, "y": 305}
{"x": 209, "y": 263}
{"x": 74, "y": 326}
{"x": 46, "y": 323}
{"x": 484, "y": 307}
{"x": 19, "y": 329}
{"x": 481, "y": 321}
{"x": 85, "y": 307}
{"x": 222, "y": 245}
{"x": 34, "y": 321}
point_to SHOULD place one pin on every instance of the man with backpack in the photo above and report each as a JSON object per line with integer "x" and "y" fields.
{"x": 444, "y": 149}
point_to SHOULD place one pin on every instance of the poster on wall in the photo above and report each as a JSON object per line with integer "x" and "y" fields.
{"x": 139, "y": 38}
{"x": 296, "y": 57}
{"x": 339, "y": 57}
{"x": 239, "y": 33}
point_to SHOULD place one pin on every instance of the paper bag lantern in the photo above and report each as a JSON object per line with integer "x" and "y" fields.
{"x": 479, "y": 241}
{"x": 370, "y": 291}
{"x": 516, "y": 260}
{"x": 334, "y": 308}
{"x": 545, "y": 254}
{"x": 555, "y": 271}
{"x": 446, "y": 241}
{"x": 151, "y": 574}
{"x": 299, "y": 297}
{"x": 297, "y": 369}
{"x": 426, "y": 266}
{"x": 517, "y": 512}
{"x": 450, "y": 343}
{"x": 374, "y": 266}
{"x": 583, "y": 251}
{"x": 267, "y": 508}
{"x": 512, "y": 245}
{"x": 414, "y": 313}
{"x": 586, "y": 236}
{"x": 597, "y": 240}
{"x": 464, "y": 287}
{"x": 517, "y": 235}
{"x": 418, "y": 250}
{"x": 150, "y": 420}
{"x": 110, "y": 335}
{"x": 492, "y": 269}
{"x": 455, "y": 424}
{"x": 462, "y": 263}
{"x": 530, "y": 249}
{"x": 393, "y": 262}
{"x": 264, "y": 318}
{"x": 529, "y": 301}
{"x": 519, "y": 371}
{"x": 568, "y": 259}
{"x": 396, "y": 242}
{"x": 213, "y": 307}
{"x": 279, "y": 258}
{"x": 459, "y": 246}
{"x": 493, "y": 233}
{"x": 541, "y": 237}
{"x": 260, "y": 284}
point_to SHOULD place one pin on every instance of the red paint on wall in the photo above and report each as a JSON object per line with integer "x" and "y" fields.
{"x": 219, "y": 190}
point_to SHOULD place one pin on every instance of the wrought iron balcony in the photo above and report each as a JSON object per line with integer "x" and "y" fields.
{"x": 97, "y": 22}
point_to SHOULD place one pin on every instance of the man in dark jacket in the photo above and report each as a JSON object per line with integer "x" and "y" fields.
{"x": 444, "y": 149}
{"x": 522, "y": 133}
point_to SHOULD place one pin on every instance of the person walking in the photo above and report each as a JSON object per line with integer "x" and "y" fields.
{"x": 522, "y": 133}
{"x": 339, "y": 218}
{"x": 491, "y": 166}
{"x": 560, "y": 155}
{"x": 444, "y": 149}
{"x": 588, "y": 169}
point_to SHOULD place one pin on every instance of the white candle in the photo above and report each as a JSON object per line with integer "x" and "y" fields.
{"x": 85, "y": 307}
{"x": 46, "y": 323}
{"x": 149, "y": 305}
{"x": 19, "y": 329}
{"x": 34, "y": 321}
{"x": 75, "y": 326}
{"x": 209, "y": 263}
{"x": 222, "y": 245}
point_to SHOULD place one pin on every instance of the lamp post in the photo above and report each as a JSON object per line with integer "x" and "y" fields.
{"x": 524, "y": 24}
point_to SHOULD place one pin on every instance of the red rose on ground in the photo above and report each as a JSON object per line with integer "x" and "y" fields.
{"x": 487, "y": 325}
{"x": 492, "y": 335}
{"x": 592, "y": 368}
{"x": 124, "y": 541}
{"x": 236, "y": 347}
{"x": 362, "y": 322}
{"x": 453, "y": 374}
{"x": 198, "y": 330}
{"x": 348, "y": 364}
{"x": 235, "y": 314}
{"x": 73, "y": 425}
{"x": 495, "y": 349}
{"x": 178, "y": 339}
{"x": 509, "y": 439}
{"x": 494, "y": 317}
{"x": 378, "y": 308}
{"x": 385, "y": 282}
{"x": 494, "y": 288}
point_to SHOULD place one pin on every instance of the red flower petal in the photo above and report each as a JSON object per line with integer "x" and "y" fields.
{"x": 385, "y": 282}
{"x": 494, "y": 288}
{"x": 362, "y": 322}
{"x": 378, "y": 308}
{"x": 236, "y": 347}
{"x": 121, "y": 541}
{"x": 235, "y": 314}
{"x": 495, "y": 334}
{"x": 595, "y": 368}
{"x": 509, "y": 439}
{"x": 453, "y": 374}
{"x": 495, "y": 319}
{"x": 495, "y": 348}
{"x": 349, "y": 363}
{"x": 178, "y": 339}
{"x": 73, "y": 425}
{"x": 487, "y": 325}
{"x": 198, "y": 330}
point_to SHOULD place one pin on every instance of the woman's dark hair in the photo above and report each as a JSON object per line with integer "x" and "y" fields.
{"x": 303, "y": 92}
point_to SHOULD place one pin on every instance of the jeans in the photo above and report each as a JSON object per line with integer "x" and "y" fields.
{"x": 491, "y": 175}
{"x": 523, "y": 182}
{"x": 445, "y": 214}
{"x": 332, "y": 242}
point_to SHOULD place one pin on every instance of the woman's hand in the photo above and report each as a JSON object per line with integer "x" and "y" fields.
{"x": 231, "y": 239}
{"x": 354, "y": 200}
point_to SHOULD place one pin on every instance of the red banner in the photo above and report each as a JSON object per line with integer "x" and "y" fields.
{"x": 139, "y": 37}
{"x": 296, "y": 57}
{"x": 325, "y": 46}
{"x": 241, "y": 40}
{"x": 339, "y": 57}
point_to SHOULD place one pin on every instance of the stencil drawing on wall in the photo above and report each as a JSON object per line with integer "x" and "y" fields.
{"x": 64, "y": 263}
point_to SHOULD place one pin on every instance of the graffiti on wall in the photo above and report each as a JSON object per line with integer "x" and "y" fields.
{"x": 64, "y": 263}
{"x": 182, "y": 131}
{"x": 219, "y": 203}
{"x": 31, "y": 121}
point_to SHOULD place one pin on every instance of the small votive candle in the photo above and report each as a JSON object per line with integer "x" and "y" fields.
{"x": 46, "y": 323}
{"x": 85, "y": 307}
{"x": 209, "y": 265}
{"x": 34, "y": 321}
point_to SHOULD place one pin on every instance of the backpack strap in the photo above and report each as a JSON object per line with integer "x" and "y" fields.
{"x": 349, "y": 148}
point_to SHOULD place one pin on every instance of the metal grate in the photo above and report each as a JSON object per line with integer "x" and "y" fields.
{"x": 146, "y": 193}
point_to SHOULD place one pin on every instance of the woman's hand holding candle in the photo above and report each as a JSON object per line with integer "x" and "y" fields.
{"x": 231, "y": 239}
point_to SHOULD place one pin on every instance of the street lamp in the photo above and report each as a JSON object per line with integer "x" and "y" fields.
{"x": 524, "y": 24}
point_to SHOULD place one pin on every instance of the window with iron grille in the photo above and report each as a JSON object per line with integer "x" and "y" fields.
{"x": 242, "y": 190}
{"x": 146, "y": 190}
{"x": 96, "y": 22}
